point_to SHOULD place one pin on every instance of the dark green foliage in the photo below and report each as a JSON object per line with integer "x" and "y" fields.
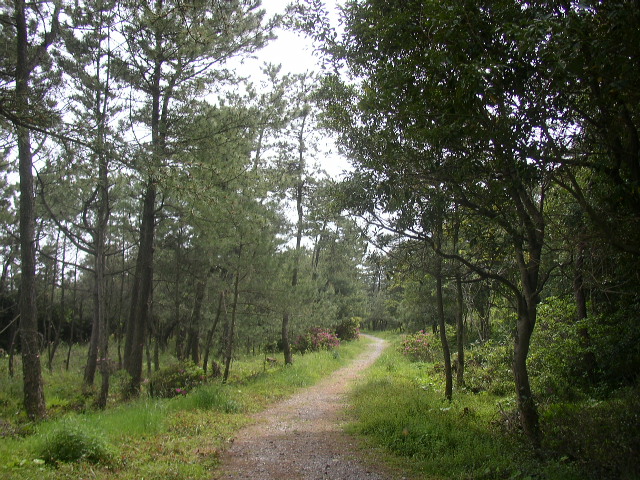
{"x": 71, "y": 442}
{"x": 488, "y": 368}
{"x": 601, "y": 436}
{"x": 177, "y": 379}
{"x": 615, "y": 343}
{"x": 556, "y": 357}
{"x": 571, "y": 358}
{"x": 349, "y": 329}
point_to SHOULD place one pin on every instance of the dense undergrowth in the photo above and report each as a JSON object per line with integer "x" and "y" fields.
{"x": 400, "y": 407}
{"x": 152, "y": 437}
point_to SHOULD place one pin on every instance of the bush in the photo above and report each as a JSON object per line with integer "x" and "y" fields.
{"x": 71, "y": 442}
{"x": 176, "y": 379}
{"x": 314, "y": 340}
{"x": 601, "y": 436}
{"x": 419, "y": 347}
{"x": 488, "y": 367}
{"x": 348, "y": 329}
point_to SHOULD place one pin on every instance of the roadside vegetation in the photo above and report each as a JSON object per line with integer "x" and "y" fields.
{"x": 151, "y": 437}
{"x": 400, "y": 408}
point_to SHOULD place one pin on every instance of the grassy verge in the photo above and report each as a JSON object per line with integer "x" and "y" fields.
{"x": 178, "y": 438}
{"x": 400, "y": 408}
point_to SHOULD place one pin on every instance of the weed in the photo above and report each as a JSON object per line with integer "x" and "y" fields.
{"x": 72, "y": 441}
{"x": 400, "y": 408}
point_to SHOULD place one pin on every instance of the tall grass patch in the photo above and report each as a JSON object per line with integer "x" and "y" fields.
{"x": 73, "y": 440}
{"x": 400, "y": 406}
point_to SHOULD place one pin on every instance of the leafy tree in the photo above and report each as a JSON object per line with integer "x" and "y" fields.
{"x": 440, "y": 113}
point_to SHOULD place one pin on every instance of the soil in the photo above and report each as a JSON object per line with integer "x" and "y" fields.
{"x": 303, "y": 437}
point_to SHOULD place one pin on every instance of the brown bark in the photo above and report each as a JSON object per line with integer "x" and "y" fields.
{"x": 448, "y": 392}
{"x": 207, "y": 347}
{"x": 529, "y": 418}
{"x": 288, "y": 356}
{"x": 141, "y": 295}
{"x": 33, "y": 388}
{"x": 460, "y": 331}
{"x": 231, "y": 328}
{"x": 193, "y": 344}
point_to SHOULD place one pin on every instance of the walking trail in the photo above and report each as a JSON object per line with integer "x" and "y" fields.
{"x": 302, "y": 437}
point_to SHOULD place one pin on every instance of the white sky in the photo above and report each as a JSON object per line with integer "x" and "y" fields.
{"x": 294, "y": 52}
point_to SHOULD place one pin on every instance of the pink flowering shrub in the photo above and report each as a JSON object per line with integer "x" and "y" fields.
{"x": 419, "y": 347}
{"x": 316, "y": 339}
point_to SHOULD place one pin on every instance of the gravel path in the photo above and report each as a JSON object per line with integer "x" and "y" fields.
{"x": 302, "y": 437}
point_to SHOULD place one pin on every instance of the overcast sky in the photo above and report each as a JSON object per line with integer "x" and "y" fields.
{"x": 291, "y": 49}
{"x": 295, "y": 53}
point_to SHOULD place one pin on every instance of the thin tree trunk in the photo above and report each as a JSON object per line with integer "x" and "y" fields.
{"x": 232, "y": 324}
{"x": 448, "y": 392}
{"x": 286, "y": 345}
{"x": 100, "y": 242}
{"x": 74, "y": 310}
{"x": 58, "y": 331}
{"x": 12, "y": 347}
{"x": 207, "y": 347}
{"x": 460, "y": 330}
{"x": 50, "y": 330}
{"x": 194, "y": 327}
{"x": 589, "y": 361}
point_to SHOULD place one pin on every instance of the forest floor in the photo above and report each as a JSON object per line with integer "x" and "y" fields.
{"x": 303, "y": 436}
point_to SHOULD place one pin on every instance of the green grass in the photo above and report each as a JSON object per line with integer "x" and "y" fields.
{"x": 400, "y": 408}
{"x": 148, "y": 438}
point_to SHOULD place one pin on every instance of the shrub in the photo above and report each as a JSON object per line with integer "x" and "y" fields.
{"x": 348, "y": 329}
{"x": 419, "y": 347}
{"x": 316, "y": 339}
{"x": 177, "y": 379}
{"x": 488, "y": 368}
{"x": 72, "y": 442}
{"x": 607, "y": 442}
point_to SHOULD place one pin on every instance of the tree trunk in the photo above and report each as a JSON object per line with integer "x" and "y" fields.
{"x": 207, "y": 347}
{"x": 33, "y": 388}
{"x": 58, "y": 330}
{"x": 527, "y": 311}
{"x": 196, "y": 315}
{"x": 73, "y": 316}
{"x": 286, "y": 345}
{"x": 141, "y": 295}
{"x": 92, "y": 354}
{"x": 460, "y": 330}
{"x": 589, "y": 362}
{"x": 448, "y": 392}
{"x": 50, "y": 330}
{"x": 100, "y": 301}
{"x": 231, "y": 330}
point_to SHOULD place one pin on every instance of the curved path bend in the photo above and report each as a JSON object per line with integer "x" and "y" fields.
{"x": 302, "y": 437}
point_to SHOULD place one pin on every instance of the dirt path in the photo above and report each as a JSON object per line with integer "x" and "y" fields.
{"x": 302, "y": 437}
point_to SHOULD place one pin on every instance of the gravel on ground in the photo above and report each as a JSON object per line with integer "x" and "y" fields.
{"x": 303, "y": 437}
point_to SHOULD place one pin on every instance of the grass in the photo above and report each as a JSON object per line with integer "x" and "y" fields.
{"x": 178, "y": 438}
{"x": 400, "y": 408}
